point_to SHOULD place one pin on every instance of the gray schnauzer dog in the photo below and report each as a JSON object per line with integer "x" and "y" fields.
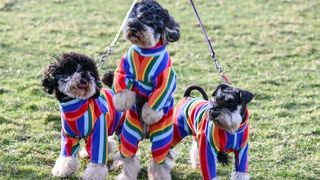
{"x": 219, "y": 126}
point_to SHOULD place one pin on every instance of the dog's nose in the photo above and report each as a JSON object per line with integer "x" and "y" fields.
{"x": 214, "y": 113}
{"x": 133, "y": 29}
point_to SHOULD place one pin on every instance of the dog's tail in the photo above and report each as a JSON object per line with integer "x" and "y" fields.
{"x": 187, "y": 92}
{"x": 107, "y": 78}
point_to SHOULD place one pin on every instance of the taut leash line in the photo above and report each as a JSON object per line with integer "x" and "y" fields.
{"x": 223, "y": 76}
{"x": 116, "y": 38}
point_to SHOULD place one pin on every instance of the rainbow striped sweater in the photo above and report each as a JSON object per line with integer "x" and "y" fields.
{"x": 191, "y": 118}
{"x": 148, "y": 72}
{"x": 92, "y": 120}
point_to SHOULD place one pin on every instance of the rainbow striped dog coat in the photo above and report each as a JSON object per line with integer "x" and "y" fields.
{"x": 92, "y": 120}
{"x": 149, "y": 73}
{"x": 190, "y": 118}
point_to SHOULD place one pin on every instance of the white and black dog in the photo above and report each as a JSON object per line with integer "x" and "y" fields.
{"x": 219, "y": 126}
{"x": 146, "y": 70}
{"x": 87, "y": 112}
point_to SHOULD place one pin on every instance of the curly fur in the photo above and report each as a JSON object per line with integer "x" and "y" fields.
{"x": 239, "y": 176}
{"x": 124, "y": 100}
{"x": 95, "y": 172}
{"x": 65, "y": 167}
{"x": 149, "y": 22}
{"x": 160, "y": 171}
{"x": 150, "y": 116}
{"x": 131, "y": 168}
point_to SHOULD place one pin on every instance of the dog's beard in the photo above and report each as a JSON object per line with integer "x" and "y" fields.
{"x": 229, "y": 121}
{"x": 144, "y": 38}
{"x": 73, "y": 88}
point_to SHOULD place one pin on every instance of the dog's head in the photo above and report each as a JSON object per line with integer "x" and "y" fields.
{"x": 72, "y": 76}
{"x": 149, "y": 23}
{"x": 228, "y": 107}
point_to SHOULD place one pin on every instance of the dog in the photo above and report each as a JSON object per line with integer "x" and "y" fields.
{"x": 146, "y": 70}
{"x": 87, "y": 112}
{"x": 219, "y": 126}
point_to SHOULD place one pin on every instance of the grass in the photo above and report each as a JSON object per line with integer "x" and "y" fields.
{"x": 271, "y": 48}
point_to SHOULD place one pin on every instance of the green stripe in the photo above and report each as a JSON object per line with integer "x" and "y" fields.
{"x": 89, "y": 121}
{"x": 211, "y": 139}
{"x": 133, "y": 128}
{"x": 171, "y": 75}
{"x": 161, "y": 132}
{"x": 153, "y": 61}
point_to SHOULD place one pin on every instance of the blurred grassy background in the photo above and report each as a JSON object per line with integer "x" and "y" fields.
{"x": 270, "y": 47}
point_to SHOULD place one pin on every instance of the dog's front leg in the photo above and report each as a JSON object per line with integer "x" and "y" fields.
{"x": 124, "y": 100}
{"x": 208, "y": 161}
{"x": 67, "y": 164}
{"x": 150, "y": 116}
{"x": 241, "y": 164}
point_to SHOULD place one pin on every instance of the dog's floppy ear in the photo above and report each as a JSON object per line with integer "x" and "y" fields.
{"x": 219, "y": 88}
{"x": 245, "y": 96}
{"x": 171, "y": 31}
{"x": 49, "y": 82}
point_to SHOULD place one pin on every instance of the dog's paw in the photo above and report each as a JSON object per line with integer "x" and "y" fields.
{"x": 130, "y": 170}
{"x": 159, "y": 171}
{"x": 116, "y": 161}
{"x": 239, "y": 176}
{"x": 150, "y": 116}
{"x": 124, "y": 100}
{"x": 65, "y": 167}
{"x": 95, "y": 171}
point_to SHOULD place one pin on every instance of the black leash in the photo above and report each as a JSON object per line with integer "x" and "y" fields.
{"x": 225, "y": 79}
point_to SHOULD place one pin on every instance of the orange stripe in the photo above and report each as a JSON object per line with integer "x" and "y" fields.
{"x": 157, "y": 94}
{"x": 136, "y": 62}
{"x": 144, "y": 66}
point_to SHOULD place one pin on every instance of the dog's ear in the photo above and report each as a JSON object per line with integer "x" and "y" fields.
{"x": 171, "y": 30}
{"x": 49, "y": 82}
{"x": 220, "y": 88}
{"x": 245, "y": 96}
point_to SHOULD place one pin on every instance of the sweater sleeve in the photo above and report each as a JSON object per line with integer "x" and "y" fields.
{"x": 164, "y": 87}
{"x": 123, "y": 77}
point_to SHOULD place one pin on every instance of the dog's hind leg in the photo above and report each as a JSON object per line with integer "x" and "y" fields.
{"x": 194, "y": 155}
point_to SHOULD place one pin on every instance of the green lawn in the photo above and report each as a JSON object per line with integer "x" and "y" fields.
{"x": 270, "y": 47}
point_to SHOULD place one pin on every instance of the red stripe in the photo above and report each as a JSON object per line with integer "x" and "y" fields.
{"x": 127, "y": 144}
{"x": 76, "y": 114}
{"x": 73, "y": 126}
{"x": 203, "y": 156}
{"x": 223, "y": 139}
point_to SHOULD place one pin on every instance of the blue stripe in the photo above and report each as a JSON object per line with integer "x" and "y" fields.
{"x": 148, "y": 51}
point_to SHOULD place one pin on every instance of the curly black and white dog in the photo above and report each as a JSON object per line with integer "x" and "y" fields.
{"x": 219, "y": 125}
{"x": 146, "y": 70}
{"x": 87, "y": 112}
